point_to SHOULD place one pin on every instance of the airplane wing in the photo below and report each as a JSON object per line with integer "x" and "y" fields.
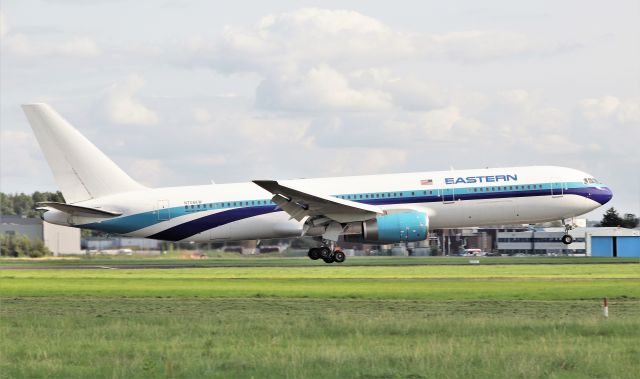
{"x": 77, "y": 210}
{"x": 300, "y": 204}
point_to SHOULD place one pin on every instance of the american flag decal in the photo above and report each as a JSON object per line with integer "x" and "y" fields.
{"x": 426, "y": 182}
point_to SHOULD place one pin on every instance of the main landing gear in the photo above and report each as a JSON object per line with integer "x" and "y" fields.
{"x": 326, "y": 254}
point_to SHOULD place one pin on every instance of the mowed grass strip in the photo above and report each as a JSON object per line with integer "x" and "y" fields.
{"x": 577, "y": 271}
{"x": 324, "y": 288}
{"x": 314, "y": 338}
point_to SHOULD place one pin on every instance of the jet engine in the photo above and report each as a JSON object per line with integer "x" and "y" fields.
{"x": 393, "y": 228}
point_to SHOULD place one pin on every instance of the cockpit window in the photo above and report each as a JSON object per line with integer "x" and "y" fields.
{"x": 591, "y": 181}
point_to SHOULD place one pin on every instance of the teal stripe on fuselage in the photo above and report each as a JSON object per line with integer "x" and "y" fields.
{"x": 128, "y": 224}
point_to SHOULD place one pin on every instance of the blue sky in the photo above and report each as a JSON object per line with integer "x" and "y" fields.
{"x": 185, "y": 92}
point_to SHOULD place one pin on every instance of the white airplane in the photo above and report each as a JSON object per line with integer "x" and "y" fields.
{"x": 378, "y": 209}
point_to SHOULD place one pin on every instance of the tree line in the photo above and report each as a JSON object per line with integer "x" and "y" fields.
{"x": 611, "y": 218}
{"x": 21, "y": 204}
{"x": 22, "y": 246}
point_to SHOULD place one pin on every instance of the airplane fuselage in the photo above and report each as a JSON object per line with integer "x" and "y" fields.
{"x": 450, "y": 199}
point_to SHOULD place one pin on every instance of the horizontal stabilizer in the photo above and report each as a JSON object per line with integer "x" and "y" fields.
{"x": 76, "y": 210}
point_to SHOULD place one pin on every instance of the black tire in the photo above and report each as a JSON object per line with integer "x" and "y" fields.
{"x": 339, "y": 257}
{"x": 324, "y": 253}
{"x": 567, "y": 239}
{"x": 314, "y": 253}
{"x": 328, "y": 260}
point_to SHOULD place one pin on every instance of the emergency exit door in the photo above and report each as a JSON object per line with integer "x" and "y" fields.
{"x": 164, "y": 212}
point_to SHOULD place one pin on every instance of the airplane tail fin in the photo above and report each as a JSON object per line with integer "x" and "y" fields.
{"x": 80, "y": 169}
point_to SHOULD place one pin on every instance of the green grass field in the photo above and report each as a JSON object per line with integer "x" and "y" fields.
{"x": 322, "y": 321}
{"x": 273, "y": 260}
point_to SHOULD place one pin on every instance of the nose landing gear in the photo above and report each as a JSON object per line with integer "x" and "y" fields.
{"x": 567, "y": 238}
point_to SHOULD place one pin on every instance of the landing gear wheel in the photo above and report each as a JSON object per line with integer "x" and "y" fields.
{"x": 339, "y": 256}
{"x": 567, "y": 239}
{"x": 325, "y": 253}
{"x": 328, "y": 260}
{"x": 314, "y": 253}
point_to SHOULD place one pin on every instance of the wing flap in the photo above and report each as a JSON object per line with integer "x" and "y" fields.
{"x": 300, "y": 204}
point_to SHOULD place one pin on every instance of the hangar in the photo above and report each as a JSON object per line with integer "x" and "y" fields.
{"x": 58, "y": 239}
{"x": 613, "y": 242}
{"x": 597, "y": 242}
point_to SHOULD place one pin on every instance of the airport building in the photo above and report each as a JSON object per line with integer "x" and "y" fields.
{"x": 602, "y": 242}
{"x": 61, "y": 240}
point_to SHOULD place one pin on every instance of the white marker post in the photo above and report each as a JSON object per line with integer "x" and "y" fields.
{"x": 605, "y": 309}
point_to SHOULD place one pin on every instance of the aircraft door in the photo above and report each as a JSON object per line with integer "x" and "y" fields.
{"x": 164, "y": 212}
{"x": 557, "y": 189}
{"x": 448, "y": 195}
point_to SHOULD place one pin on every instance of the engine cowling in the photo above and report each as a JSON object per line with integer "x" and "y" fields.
{"x": 394, "y": 228}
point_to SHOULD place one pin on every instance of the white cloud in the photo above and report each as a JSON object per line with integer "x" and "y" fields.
{"x": 304, "y": 57}
{"x": 18, "y": 44}
{"x": 320, "y": 88}
{"x": 19, "y": 154}
{"x": 80, "y": 46}
{"x": 371, "y": 160}
{"x": 24, "y": 46}
{"x": 478, "y": 45}
{"x": 611, "y": 108}
{"x": 560, "y": 145}
{"x": 304, "y": 37}
{"x": 122, "y": 107}
{"x": 149, "y": 172}
{"x": 201, "y": 115}
{"x": 3, "y": 25}
{"x": 330, "y": 60}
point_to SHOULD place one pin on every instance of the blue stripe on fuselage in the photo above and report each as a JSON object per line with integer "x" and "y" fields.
{"x": 199, "y": 225}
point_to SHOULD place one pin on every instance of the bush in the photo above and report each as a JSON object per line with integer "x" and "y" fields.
{"x": 22, "y": 246}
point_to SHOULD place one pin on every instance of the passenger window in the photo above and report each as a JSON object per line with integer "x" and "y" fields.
{"x": 413, "y": 193}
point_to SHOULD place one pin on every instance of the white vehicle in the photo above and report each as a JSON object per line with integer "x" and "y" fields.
{"x": 376, "y": 208}
{"x": 474, "y": 253}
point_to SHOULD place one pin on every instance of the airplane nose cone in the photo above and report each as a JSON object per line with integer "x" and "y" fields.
{"x": 602, "y": 195}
